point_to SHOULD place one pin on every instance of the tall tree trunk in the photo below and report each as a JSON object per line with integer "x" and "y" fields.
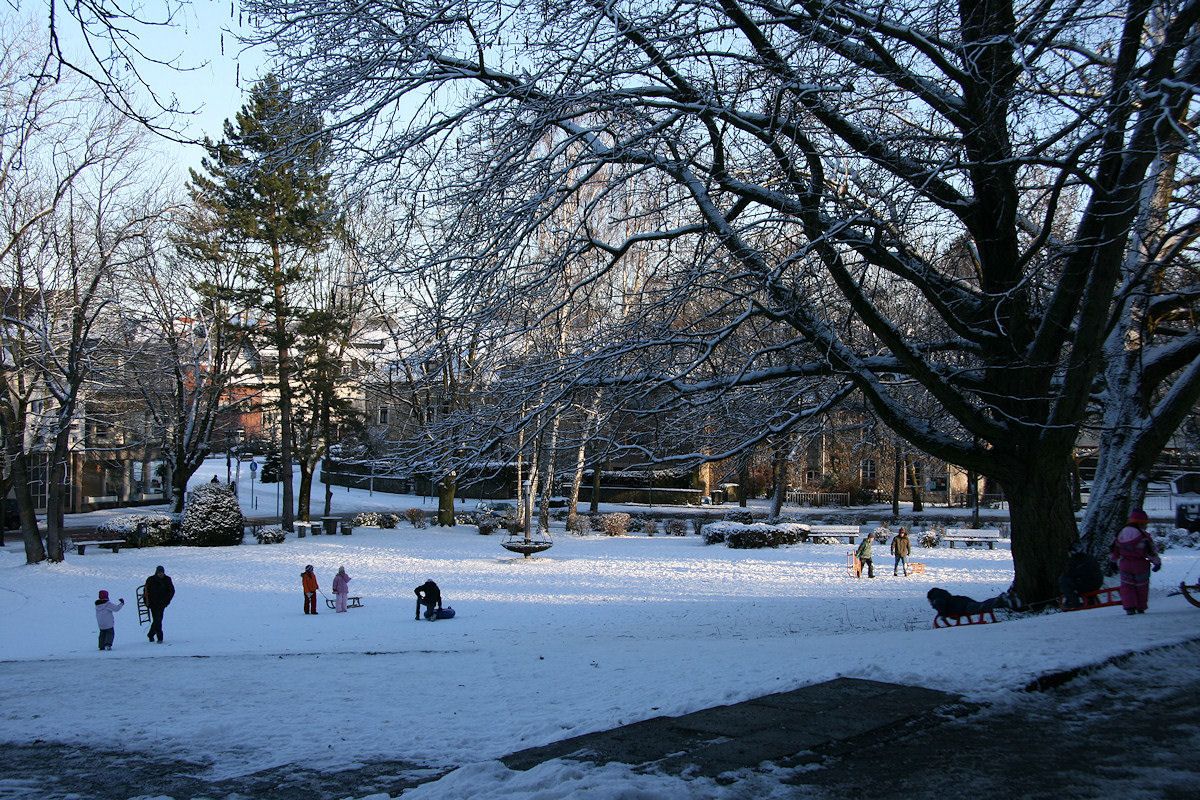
{"x": 780, "y": 475}
{"x": 285, "y": 398}
{"x": 897, "y": 480}
{"x": 594, "y": 506}
{"x": 743, "y": 479}
{"x": 1043, "y": 529}
{"x": 447, "y": 488}
{"x": 56, "y": 475}
{"x": 306, "y": 475}
{"x": 35, "y": 551}
{"x": 910, "y": 470}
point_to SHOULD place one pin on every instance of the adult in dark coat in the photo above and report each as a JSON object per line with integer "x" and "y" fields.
{"x": 1082, "y": 574}
{"x": 428, "y": 595}
{"x": 158, "y": 593}
{"x": 957, "y": 605}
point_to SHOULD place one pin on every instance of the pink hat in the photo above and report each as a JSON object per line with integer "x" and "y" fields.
{"x": 1138, "y": 517}
{"x": 103, "y": 594}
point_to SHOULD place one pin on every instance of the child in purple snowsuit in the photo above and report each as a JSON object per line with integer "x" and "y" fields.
{"x": 341, "y": 588}
{"x": 1136, "y": 557}
{"x": 104, "y": 618}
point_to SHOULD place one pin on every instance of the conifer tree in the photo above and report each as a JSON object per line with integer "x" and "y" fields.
{"x": 267, "y": 181}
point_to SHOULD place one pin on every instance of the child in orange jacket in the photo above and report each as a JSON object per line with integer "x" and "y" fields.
{"x": 308, "y": 580}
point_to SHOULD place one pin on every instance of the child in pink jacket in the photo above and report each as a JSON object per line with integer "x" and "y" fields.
{"x": 1136, "y": 557}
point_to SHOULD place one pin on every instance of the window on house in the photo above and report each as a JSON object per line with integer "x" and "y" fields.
{"x": 812, "y": 476}
{"x": 866, "y": 471}
{"x": 383, "y": 415}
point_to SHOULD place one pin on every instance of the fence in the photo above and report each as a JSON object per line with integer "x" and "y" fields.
{"x": 818, "y": 499}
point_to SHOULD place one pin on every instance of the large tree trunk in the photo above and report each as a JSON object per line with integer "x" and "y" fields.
{"x": 897, "y": 481}
{"x": 447, "y": 487}
{"x": 56, "y": 473}
{"x": 35, "y": 551}
{"x": 285, "y": 401}
{"x": 780, "y": 474}
{"x": 743, "y": 479}
{"x": 1043, "y": 530}
{"x": 306, "y": 476}
{"x": 910, "y": 470}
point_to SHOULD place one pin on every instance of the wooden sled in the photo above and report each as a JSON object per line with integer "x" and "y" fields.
{"x": 977, "y": 618}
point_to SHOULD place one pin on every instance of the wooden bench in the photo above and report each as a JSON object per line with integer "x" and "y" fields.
{"x": 351, "y": 602}
{"x": 847, "y": 532}
{"x": 976, "y": 618}
{"x": 1104, "y": 596}
{"x": 988, "y": 536}
{"x": 80, "y": 541}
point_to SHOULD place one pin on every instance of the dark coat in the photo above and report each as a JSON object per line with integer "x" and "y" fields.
{"x": 429, "y": 594}
{"x": 1083, "y": 572}
{"x": 159, "y": 591}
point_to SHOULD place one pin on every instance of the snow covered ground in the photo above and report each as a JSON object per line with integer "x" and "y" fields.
{"x": 595, "y": 633}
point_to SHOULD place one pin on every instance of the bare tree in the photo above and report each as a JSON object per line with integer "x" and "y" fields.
{"x": 861, "y": 136}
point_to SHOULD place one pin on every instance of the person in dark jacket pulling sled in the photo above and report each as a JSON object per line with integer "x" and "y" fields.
{"x": 428, "y": 595}
{"x": 158, "y": 592}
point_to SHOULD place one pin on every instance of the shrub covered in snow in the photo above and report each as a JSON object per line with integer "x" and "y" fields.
{"x": 578, "y": 523}
{"x": 739, "y": 515}
{"x": 416, "y": 518}
{"x": 615, "y": 524}
{"x": 376, "y": 519}
{"x": 142, "y": 530}
{"x": 1179, "y": 537}
{"x": 931, "y": 537}
{"x": 739, "y": 536}
{"x": 487, "y": 523}
{"x": 675, "y": 527}
{"x": 212, "y": 517}
{"x": 700, "y": 521}
{"x": 270, "y": 535}
{"x": 649, "y": 526}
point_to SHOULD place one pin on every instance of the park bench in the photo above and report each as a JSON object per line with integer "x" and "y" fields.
{"x": 988, "y": 536}
{"x": 1105, "y": 596}
{"x": 976, "y": 618}
{"x": 351, "y": 602}
{"x": 80, "y": 541}
{"x": 847, "y": 532}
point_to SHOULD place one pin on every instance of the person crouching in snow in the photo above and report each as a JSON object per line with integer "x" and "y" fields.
{"x": 341, "y": 589}
{"x": 104, "y": 618}
{"x": 1136, "y": 557}
{"x": 428, "y": 595}
{"x": 864, "y": 555}
{"x": 308, "y": 582}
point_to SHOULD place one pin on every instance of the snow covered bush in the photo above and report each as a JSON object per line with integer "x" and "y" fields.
{"x": 270, "y": 535}
{"x": 649, "y": 526}
{"x": 416, "y": 517}
{"x": 141, "y": 530}
{"x": 739, "y": 515}
{"x": 1181, "y": 537}
{"x": 367, "y": 519}
{"x": 578, "y": 524}
{"x": 487, "y": 524}
{"x": 699, "y": 522}
{"x": 675, "y": 527}
{"x": 212, "y": 517}
{"x": 881, "y": 534}
{"x": 739, "y": 536}
{"x": 615, "y": 524}
{"x": 931, "y": 537}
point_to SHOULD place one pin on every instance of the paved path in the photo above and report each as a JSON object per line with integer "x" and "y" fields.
{"x": 1105, "y": 733}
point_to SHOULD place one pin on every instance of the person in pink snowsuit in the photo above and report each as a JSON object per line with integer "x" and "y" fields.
{"x": 1134, "y": 553}
{"x": 341, "y": 588}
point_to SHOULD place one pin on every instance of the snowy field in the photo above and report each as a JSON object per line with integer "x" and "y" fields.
{"x": 595, "y": 633}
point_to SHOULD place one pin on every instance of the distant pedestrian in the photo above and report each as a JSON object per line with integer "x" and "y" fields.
{"x": 158, "y": 592}
{"x": 215, "y": 479}
{"x": 104, "y": 618}
{"x": 864, "y": 555}
{"x": 428, "y": 595}
{"x": 1082, "y": 574}
{"x": 1136, "y": 557}
{"x": 308, "y": 581}
{"x": 341, "y": 589}
{"x": 901, "y": 547}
